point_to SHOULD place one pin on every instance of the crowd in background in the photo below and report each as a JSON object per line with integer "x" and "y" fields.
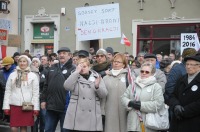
{"x": 91, "y": 91}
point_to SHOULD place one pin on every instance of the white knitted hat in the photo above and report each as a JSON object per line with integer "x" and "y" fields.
{"x": 26, "y": 57}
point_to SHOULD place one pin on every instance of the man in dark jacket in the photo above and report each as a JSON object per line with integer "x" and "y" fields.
{"x": 175, "y": 73}
{"x": 54, "y": 95}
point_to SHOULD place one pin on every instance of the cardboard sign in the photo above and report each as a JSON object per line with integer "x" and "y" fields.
{"x": 189, "y": 40}
{"x": 98, "y": 22}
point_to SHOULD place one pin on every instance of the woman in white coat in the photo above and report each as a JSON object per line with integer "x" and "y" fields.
{"x": 147, "y": 89}
{"x": 87, "y": 88}
{"x": 22, "y": 86}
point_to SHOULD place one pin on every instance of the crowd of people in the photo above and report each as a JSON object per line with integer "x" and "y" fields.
{"x": 91, "y": 91}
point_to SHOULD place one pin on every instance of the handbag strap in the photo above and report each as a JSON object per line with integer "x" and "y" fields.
{"x": 23, "y": 95}
{"x": 152, "y": 93}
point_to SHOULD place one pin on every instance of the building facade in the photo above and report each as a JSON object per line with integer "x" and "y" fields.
{"x": 151, "y": 25}
{"x": 10, "y": 20}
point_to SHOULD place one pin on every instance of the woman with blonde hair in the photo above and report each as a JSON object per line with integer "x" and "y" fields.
{"x": 22, "y": 86}
{"x": 87, "y": 88}
{"x": 116, "y": 84}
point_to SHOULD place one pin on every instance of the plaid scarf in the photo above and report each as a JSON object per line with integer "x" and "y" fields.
{"x": 22, "y": 76}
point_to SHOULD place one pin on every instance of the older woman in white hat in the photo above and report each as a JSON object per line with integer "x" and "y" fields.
{"x": 22, "y": 86}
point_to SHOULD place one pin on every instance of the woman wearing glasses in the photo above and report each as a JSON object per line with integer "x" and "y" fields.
{"x": 185, "y": 100}
{"x": 140, "y": 98}
{"x": 102, "y": 64}
{"x": 115, "y": 81}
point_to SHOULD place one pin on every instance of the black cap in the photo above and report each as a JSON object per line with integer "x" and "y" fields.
{"x": 149, "y": 55}
{"x": 110, "y": 50}
{"x": 63, "y": 49}
{"x": 83, "y": 53}
{"x": 196, "y": 58}
{"x": 16, "y": 54}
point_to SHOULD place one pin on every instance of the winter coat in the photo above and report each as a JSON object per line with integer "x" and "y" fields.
{"x": 7, "y": 73}
{"x": 29, "y": 91}
{"x": 151, "y": 91}
{"x": 2, "y": 82}
{"x": 159, "y": 75}
{"x": 54, "y": 93}
{"x": 84, "y": 112}
{"x": 174, "y": 75}
{"x": 188, "y": 96}
{"x": 115, "y": 113}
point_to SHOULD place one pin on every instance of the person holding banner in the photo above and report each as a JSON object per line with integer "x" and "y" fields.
{"x": 137, "y": 98}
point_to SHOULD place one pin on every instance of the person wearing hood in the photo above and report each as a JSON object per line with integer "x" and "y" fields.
{"x": 87, "y": 88}
{"x": 145, "y": 85}
{"x": 116, "y": 84}
{"x": 102, "y": 64}
{"x": 53, "y": 97}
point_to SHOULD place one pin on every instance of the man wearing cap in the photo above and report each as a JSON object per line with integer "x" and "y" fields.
{"x": 185, "y": 99}
{"x": 54, "y": 95}
{"x": 110, "y": 53}
{"x": 159, "y": 75}
{"x": 8, "y": 68}
{"x": 176, "y": 72}
{"x": 140, "y": 58}
{"x": 16, "y": 57}
{"x": 102, "y": 64}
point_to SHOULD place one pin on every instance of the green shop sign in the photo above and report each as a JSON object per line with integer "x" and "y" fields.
{"x": 43, "y": 31}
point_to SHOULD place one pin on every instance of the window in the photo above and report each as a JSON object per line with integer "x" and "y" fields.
{"x": 163, "y": 38}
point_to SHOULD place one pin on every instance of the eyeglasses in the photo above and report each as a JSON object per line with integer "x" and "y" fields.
{"x": 191, "y": 64}
{"x": 97, "y": 56}
{"x": 146, "y": 72}
{"x": 117, "y": 62}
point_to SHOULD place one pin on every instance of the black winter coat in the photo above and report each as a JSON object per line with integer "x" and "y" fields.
{"x": 188, "y": 96}
{"x": 54, "y": 93}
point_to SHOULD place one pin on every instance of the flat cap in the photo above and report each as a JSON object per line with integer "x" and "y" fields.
{"x": 149, "y": 55}
{"x": 83, "y": 53}
{"x": 63, "y": 49}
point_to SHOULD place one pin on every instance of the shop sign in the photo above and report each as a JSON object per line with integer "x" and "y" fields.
{"x": 189, "y": 40}
{"x": 3, "y": 36}
{"x": 43, "y": 31}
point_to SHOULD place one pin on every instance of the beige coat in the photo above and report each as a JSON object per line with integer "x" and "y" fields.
{"x": 152, "y": 91}
{"x": 115, "y": 113}
{"x": 84, "y": 112}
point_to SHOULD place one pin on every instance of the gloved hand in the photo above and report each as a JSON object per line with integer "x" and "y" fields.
{"x": 135, "y": 104}
{"x": 7, "y": 112}
{"x": 35, "y": 112}
{"x": 178, "y": 111}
